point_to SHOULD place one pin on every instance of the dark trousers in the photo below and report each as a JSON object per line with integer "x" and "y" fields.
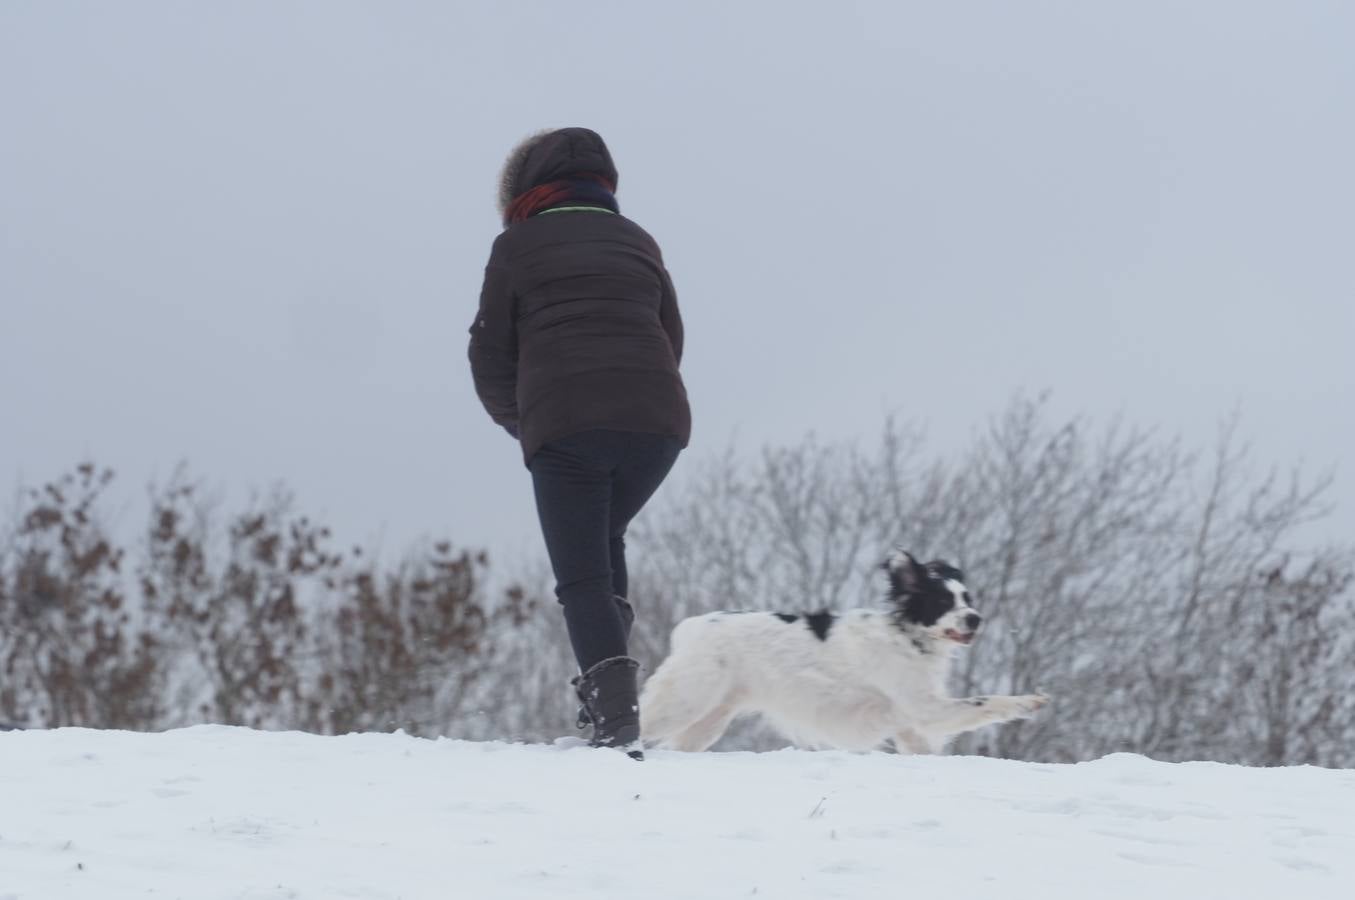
{"x": 588, "y": 488}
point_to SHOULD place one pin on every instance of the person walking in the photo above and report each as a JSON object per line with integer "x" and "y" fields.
{"x": 575, "y": 352}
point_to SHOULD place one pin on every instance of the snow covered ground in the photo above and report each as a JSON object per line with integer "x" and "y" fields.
{"x": 214, "y": 812}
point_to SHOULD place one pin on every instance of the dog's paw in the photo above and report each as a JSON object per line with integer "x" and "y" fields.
{"x": 1007, "y": 708}
{"x": 1028, "y": 705}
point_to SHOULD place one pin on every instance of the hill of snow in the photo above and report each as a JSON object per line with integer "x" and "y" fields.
{"x": 215, "y": 812}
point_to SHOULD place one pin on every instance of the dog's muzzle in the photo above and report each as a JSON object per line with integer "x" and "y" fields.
{"x": 971, "y": 622}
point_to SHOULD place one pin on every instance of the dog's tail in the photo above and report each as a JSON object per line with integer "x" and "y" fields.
{"x": 684, "y": 687}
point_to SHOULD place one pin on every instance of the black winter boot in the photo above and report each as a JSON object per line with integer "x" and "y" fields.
{"x": 627, "y": 613}
{"x": 611, "y": 698}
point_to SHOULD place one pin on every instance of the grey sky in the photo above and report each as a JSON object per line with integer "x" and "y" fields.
{"x": 251, "y": 235}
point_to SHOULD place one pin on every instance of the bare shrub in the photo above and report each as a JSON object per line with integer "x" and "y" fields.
{"x": 262, "y": 624}
{"x": 242, "y": 621}
{"x": 405, "y": 648}
{"x": 72, "y": 652}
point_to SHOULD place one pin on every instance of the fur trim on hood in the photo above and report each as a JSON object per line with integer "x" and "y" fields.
{"x": 550, "y": 155}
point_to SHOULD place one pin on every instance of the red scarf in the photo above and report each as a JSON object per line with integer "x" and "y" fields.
{"x": 552, "y": 193}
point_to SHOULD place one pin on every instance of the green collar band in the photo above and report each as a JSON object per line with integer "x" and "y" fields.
{"x": 577, "y": 209}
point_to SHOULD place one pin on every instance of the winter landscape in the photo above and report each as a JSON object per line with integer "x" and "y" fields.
{"x": 1056, "y": 293}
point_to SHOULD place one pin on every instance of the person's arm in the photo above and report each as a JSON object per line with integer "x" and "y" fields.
{"x": 494, "y": 346}
{"x": 669, "y": 316}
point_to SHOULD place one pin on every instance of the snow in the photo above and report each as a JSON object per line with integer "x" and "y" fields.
{"x": 217, "y": 812}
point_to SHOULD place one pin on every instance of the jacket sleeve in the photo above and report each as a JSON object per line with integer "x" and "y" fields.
{"x": 669, "y": 316}
{"x": 494, "y": 346}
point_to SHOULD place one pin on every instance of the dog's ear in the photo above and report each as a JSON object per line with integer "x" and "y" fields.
{"x": 905, "y": 573}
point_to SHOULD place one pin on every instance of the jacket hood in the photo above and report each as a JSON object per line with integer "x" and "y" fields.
{"x": 550, "y": 155}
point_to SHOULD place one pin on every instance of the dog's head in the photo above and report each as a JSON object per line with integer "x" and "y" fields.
{"x": 931, "y": 598}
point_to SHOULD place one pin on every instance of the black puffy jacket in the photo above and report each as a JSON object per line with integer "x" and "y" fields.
{"x": 578, "y": 326}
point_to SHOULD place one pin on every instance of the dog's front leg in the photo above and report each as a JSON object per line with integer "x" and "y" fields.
{"x": 967, "y": 713}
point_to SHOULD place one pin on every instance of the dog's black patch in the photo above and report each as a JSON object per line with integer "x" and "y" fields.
{"x": 927, "y": 609}
{"x": 787, "y": 617}
{"x": 926, "y": 606}
{"x": 820, "y": 623}
{"x": 919, "y": 591}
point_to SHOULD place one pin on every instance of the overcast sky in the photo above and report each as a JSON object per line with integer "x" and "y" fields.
{"x": 251, "y": 235}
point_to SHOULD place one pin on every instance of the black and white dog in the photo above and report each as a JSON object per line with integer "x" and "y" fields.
{"x": 850, "y": 681}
